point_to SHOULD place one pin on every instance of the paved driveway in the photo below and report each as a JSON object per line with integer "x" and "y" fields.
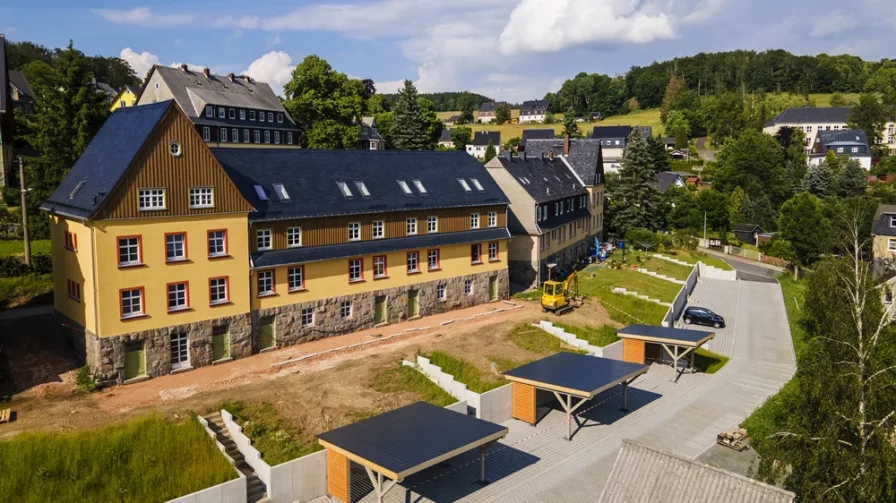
{"x": 536, "y": 464}
{"x": 705, "y": 154}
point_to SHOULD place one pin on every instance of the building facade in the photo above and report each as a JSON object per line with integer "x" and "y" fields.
{"x": 481, "y": 139}
{"x": 851, "y": 143}
{"x": 168, "y": 255}
{"x": 487, "y": 112}
{"x": 127, "y": 97}
{"x": 370, "y": 137}
{"x": 534, "y": 111}
{"x": 614, "y": 140}
{"x": 812, "y": 121}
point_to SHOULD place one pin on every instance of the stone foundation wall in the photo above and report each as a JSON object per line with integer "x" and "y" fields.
{"x": 328, "y": 320}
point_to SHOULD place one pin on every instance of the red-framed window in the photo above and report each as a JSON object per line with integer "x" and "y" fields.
{"x": 71, "y": 241}
{"x": 266, "y": 282}
{"x": 217, "y": 243}
{"x": 219, "y": 290}
{"x": 176, "y": 246}
{"x": 178, "y": 296}
{"x": 295, "y": 278}
{"x": 132, "y": 302}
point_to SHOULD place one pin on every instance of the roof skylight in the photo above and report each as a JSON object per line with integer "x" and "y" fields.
{"x": 77, "y": 188}
{"x": 464, "y": 184}
{"x": 477, "y": 185}
{"x": 343, "y": 187}
{"x": 281, "y": 191}
{"x": 362, "y": 189}
{"x": 259, "y": 191}
{"x": 419, "y": 185}
{"x": 405, "y": 187}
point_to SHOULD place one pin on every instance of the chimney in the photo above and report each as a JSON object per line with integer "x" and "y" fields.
{"x": 205, "y": 72}
{"x": 230, "y": 76}
{"x": 183, "y": 68}
{"x": 551, "y": 154}
{"x": 566, "y": 145}
{"x": 523, "y": 156}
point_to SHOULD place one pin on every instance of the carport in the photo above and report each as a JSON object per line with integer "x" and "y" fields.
{"x": 570, "y": 377}
{"x": 402, "y": 442}
{"x": 677, "y": 342}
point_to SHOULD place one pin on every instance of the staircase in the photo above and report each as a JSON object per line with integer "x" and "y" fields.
{"x": 256, "y": 492}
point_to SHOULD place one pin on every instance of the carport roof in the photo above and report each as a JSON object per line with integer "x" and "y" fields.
{"x": 409, "y": 439}
{"x": 663, "y": 335}
{"x": 575, "y": 374}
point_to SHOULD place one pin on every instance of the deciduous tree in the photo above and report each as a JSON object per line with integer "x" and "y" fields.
{"x": 802, "y": 222}
{"x": 502, "y": 113}
{"x": 869, "y": 115}
{"x": 461, "y": 136}
{"x": 755, "y": 162}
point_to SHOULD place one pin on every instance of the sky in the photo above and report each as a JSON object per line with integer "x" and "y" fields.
{"x": 505, "y": 49}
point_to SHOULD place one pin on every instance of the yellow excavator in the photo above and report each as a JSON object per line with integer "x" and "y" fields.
{"x": 558, "y": 297}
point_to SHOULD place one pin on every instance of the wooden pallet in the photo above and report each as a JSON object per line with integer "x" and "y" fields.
{"x": 4, "y": 416}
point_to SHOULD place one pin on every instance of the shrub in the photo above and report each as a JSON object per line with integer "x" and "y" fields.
{"x": 85, "y": 381}
{"x": 12, "y": 266}
{"x": 641, "y": 238}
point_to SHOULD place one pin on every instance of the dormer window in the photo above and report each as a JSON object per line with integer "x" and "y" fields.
{"x": 222, "y": 113}
{"x": 259, "y": 191}
{"x": 222, "y": 134}
{"x": 242, "y": 115}
{"x": 270, "y": 116}
{"x": 281, "y": 191}
{"x": 260, "y": 116}
{"x": 209, "y": 111}
{"x": 892, "y": 220}
{"x": 251, "y": 115}
{"x": 232, "y": 113}
{"x": 343, "y": 187}
{"x": 405, "y": 187}
{"x": 420, "y": 187}
{"x": 280, "y": 118}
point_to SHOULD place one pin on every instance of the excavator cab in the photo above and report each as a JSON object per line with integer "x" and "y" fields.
{"x": 557, "y": 297}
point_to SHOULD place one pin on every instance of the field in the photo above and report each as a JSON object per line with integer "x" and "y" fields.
{"x": 147, "y": 460}
{"x": 656, "y": 265}
{"x": 605, "y": 279}
{"x": 824, "y": 100}
{"x": 17, "y": 247}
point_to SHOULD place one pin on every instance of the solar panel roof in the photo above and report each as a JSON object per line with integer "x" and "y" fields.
{"x": 584, "y": 374}
{"x": 690, "y": 337}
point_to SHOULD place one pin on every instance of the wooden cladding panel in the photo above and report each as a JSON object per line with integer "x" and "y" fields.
{"x": 524, "y": 402}
{"x": 633, "y": 351}
{"x": 155, "y": 167}
{"x": 334, "y": 230}
{"x": 338, "y": 476}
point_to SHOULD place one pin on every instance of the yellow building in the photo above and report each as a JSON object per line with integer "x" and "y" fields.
{"x": 170, "y": 255}
{"x": 127, "y": 97}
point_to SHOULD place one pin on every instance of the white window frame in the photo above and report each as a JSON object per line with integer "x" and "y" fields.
{"x": 379, "y": 229}
{"x": 307, "y": 317}
{"x": 432, "y": 224}
{"x": 476, "y": 184}
{"x": 891, "y": 245}
{"x": 413, "y": 262}
{"x": 209, "y": 111}
{"x": 468, "y": 287}
{"x": 202, "y": 197}
{"x": 271, "y": 117}
{"x": 289, "y": 137}
{"x": 222, "y": 135}
{"x": 493, "y": 251}
{"x": 206, "y": 133}
{"x": 492, "y": 218}
{"x": 231, "y": 113}
{"x": 420, "y": 188}
{"x": 411, "y": 226}
{"x": 354, "y": 231}
{"x": 280, "y": 117}
{"x": 478, "y": 248}
{"x": 293, "y": 274}
{"x": 235, "y": 135}
{"x": 264, "y": 239}
{"x": 180, "y": 294}
{"x": 264, "y": 278}
{"x": 464, "y": 185}
{"x": 151, "y": 199}
{"x": 218, "y": 291}
{"x": 213, "y": 239}
{"x": 257, "y": 136}
{"x": 267, "y": 137}
{"x": 245, "y": 136}
{"x": 242, "y": 114}
{"x": 172, "y": 243}
{"x": 441, "y": 291}
{"x": 260, "y": 116}
{"x": 380, "y": 261}
{"x": 251, "y": 115}
{"x": 128, "y": 310}
{"x": 132, "y": 249}
{"x": 277, "y": 137}
{"x": 474, "y": 220}
{"x": 355, "y": 270}
{"x": 345, "y": 310}
{"x": 405, "y": 187}
{"x": 222, "y": 113}
{"x": 293, "y": 237}
{"x": 430, "y": 255}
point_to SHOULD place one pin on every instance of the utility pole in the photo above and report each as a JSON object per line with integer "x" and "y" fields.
{"x": 704, "y": 226}
{"x": 24, "y": 210}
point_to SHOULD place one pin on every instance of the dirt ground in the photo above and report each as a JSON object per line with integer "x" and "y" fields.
{"x": 317, "y": 394}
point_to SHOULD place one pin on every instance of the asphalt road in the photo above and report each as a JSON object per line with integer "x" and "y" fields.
{"x": 705, "y": 154}
{"x": 751, "y": 271}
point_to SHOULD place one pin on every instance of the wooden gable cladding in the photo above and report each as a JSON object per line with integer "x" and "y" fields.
{"x": 334, "y": 230}
{"x": 155, "y": 167}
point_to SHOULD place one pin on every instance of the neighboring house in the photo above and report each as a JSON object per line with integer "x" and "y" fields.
{"x": 535, "y": 134}
{"x": 641, "y": 473}
{"x": 23, "y": 97}
{"x": 809, "y": 120}
{"x": 883, "y": 244}
{"x": 445, "y": 140}
{"x": 127, "y": 97}
{"x": 852, "y": 143}
{"x": 534, "y": 111}
{"x": 669, "y": 142}
{"x": 614, "y": 140}
{"x": 210, "y": 254}
{"x": 480, "y": 143}
{"x": 370, "y": 137}
{"x": 454, "y": 119}
{"x": 487, "y": 111}
{"x": 227, "y": 111}
{"x": 748, "y": 233}
{"x": 596, "y": 117}
{"x": 108, "y": 91}
{"x": 6, "y": 117}
{"x": 549, "y": 217}
{"x": 667, "y": 179}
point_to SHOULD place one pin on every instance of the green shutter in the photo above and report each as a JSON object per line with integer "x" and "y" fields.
{"x": 220, "y": 342}
{"x": 266, "y": 333}
{"x": 379, "y": 311}
{"x": 134, "y": 362}
{"x": 413, "y": 304}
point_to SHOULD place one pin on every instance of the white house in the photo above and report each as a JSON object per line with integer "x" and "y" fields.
{"x": 480, "y": 143}
{"x": 811, "y": 121}
{"x": 534, "y": 111}
{"x": 852, "y": 143}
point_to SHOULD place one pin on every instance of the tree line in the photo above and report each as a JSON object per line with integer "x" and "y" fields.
{"x": 112, "y": 70}
{"x": 447, "y": 101}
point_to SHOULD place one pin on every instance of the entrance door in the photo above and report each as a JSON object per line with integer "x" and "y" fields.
{"x": 180, "y": 352}
{"x": 134, "y": 361}
{"x": 379, "y": 309}
{"x": 493, "y": 288}
{"x": 413, "y": 304}
{"x": 220, "y": 342}
{"x": 267, "y": 336}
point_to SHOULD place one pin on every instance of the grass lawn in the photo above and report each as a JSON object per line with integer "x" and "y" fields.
{"x": 529, "y": 295}
{"x": 692, "y": 257}
{"x": 401, "y": 378}
{"x": 824, "y": 100}
{"x": 17, "y": 247}
{"x": 709, "y": 362}
{"x": 601, "y": 336}
{"x": 626, "y": 309}
{"x": 148, "y": 460}
{"x": 477, "y": 380}
{"x": 26, "y": 291}
{"x": 605, "y": 279}
{"x": 538, "y": 341}
{"x": 656, "y": 265}
{"x": 276, "y": 439}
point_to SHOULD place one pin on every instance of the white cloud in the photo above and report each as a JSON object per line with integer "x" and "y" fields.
{"x": 273, "y": 40}
{"x": 703, "y": 11}
{"x": 833, "y": 23}
{"x": 142, "y": 16}
{"x": 539, "y": 26}
{"x": 275, "y": 68}
{"x": 140, "y": 62}
{"x": 191, "y": 66}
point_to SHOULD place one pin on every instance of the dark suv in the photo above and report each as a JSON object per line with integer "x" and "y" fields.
{"x": 703, "y": 316}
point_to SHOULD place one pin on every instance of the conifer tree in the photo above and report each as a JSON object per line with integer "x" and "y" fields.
{"x": 410, "y": 130}
{"x": 635, "y": 198}
{"x": 490, "y": 152}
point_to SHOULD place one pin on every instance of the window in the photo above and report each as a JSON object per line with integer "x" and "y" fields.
{"x": 854, "y": 150}
{"x": 378, "y": 229}
{"x": 270, "y": 116}
{"x": 175, "y": 247}
{"x": 477, "y": 185}
{"x": 177, "y": 297}
{"x": 221, "y": 112}
{"x": 468, "y": 287}
{"x": 151, "y": 199}
{"x": 217, "y": 243}
{"x": 493, "y": 251}
{"x": 74, "y": 291}
{"x": 235, "y": 138}
{"x": 411, "y": 226}
{"x": 839, "y": 150}
{"x": 538, "y": 213}
{"x": 379, "y": 266}
{"x": 259, "y": 191}
{"x": 808, "y": 129}
{"x": 232, "y": 114}
{"x": 345, "y": 309}
{"x": 289, "y": 137}
{"x": 354, "y": 231}
{"x": 129, "y": 251}
{"x": 355, "y": 269}
{"x": 344, "y": 188}
{"x": 174, "y": 148}
{"x": 206, "y": 133}
{"x": 492, "y": 219}
{"x": 277, "y": 137}
{"x": 260, "y": 116}
{"x": 280, "y": 118}
{"x": 242, "y": 115}
{"x": 420, "y": 188}
{"x": 413, "y": 262}
{"x": 267, "y": 137}
{"x": 293, "y": 237}
{"x": 266, "y": 283}
{"x": 281, "y": 192}
{"x": 307, "y": 317}
{"x": 209, "y": 111}
{"x": 441, "y": 291}
{"x": 891, "y": 246}
{"x": 405, "y": 188}
{"x": 180, "y": 354}
{"x": 264, "y": 239}
{"x": 432, "y": 224}
{"x": 432, "y": 260}
{"x": 218, "y": 291}
{"x": 71, "y": 241}
{"x": 251, "y": 115}
{"x": 202, "y": 197}
{"x": 132, "y": 302}
{"x": 222, "y": 135}
{"x": 476, "y": 253}
{"x": 474, "y": 221}
{"x": 245, "y": 136}
{"x": 296, "y": 278}
{"x": 257, "y": 136}
{"x": 463, "y": 183}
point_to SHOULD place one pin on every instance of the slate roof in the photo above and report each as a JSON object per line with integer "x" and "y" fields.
{"x": 135, "y": 90}
{"x": 747, "y": 228}
{"x": 193, "y": 90}
{"x": 666, "y": 179}
{"x": 106, "y": 89}
{"x": 445, "y": 136}
{"x": 19, "y": 80}
{"x": 543, "y": 178}
{"x": 105, "y": 160}
{"x": 881, "y": 226}
{"x": 811, "y": 115}
{"x": 843, "y": 138}
{"x": 483, "y": 137}
{"x": 643, "y": 474}
{"x": 4, "y": 76}
{"x": 310, "y": 177}
{"x": 488, "y": 106}
{"x": 536, "y": 134}
{"x": 535, "y": 105}
{"x": 289, "y": 256}
{"x": 611, "y": 132}
{"x": 584, "y": 156}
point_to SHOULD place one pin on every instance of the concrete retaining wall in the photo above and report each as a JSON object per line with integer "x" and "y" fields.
{"x": 708, "y": 271}
{"x": 568, "y": 338}
{"x": 496, "y": 405}
{"x": 233, "y": 491}
{"x": 681, "y": 300}
{"x": 244, "y": 444}
{"x": 493, "y": 405}
{"x": 613, "y": 351}
{"x": 299, "y": 480}
{"x": 460, "y": 407}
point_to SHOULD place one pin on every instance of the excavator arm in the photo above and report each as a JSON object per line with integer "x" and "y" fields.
{"x": 571, "y": 285}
